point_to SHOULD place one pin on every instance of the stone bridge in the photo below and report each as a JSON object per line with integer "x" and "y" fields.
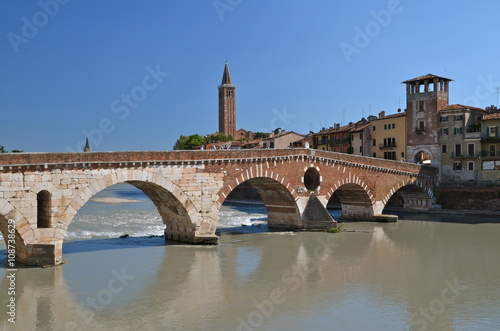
{"x": 42, "y": 192}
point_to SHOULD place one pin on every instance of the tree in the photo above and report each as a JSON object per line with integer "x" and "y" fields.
{"x": 3, "y": 150}
{"x": 189, "y": 142}
{"x": 259, "y": 135}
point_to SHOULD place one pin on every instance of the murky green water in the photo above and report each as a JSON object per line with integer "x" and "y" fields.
{"x": 422, "y": 273}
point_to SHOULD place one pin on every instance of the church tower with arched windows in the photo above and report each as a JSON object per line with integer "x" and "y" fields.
{"x": 227, "y": 104}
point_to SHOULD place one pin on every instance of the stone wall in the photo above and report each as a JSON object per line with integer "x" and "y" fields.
{"x": 481, "y": 199}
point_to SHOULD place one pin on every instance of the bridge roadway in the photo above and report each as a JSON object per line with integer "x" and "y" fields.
{"x": 42, "y": 192}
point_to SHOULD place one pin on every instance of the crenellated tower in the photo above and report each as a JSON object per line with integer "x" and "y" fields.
{"x": 425, "y": 97}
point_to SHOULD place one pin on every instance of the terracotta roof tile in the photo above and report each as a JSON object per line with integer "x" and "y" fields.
{"x": 492, "y": 116}
{"x": 390, "y": 116}
{"x": 428, "y": 76}
{"x": 360, "y": 128}
{"x": 458, "y": 106}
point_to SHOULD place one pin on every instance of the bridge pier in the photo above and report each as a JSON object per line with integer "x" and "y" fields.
{"x": 364, "y": 213}
{"x": 42, "y": 253}
{"x": 308, "y": 214}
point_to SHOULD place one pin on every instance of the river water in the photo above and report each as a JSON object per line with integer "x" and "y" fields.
{"x": 425, "y": 272}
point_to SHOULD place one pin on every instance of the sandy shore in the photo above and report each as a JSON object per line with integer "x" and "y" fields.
{"x": 114, "y": 200}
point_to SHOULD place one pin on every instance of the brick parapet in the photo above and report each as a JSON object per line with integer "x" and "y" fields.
{"x": 48, "y": 161}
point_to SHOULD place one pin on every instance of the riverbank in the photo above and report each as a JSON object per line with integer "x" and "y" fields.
{"x": 114, "y": 201}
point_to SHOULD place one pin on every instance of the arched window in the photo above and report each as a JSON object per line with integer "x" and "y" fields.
{"x": 43, "y": 209}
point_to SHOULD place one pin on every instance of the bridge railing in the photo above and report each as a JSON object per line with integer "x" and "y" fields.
{"x": 136, "y": 158}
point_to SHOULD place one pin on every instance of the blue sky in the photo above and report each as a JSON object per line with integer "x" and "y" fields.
{"x": 134, "y": 75}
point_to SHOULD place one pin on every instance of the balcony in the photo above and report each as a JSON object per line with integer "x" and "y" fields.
{"x": 419, "y": 130}
{"x": 491, "y": 139}
{"x": 481, "y": 154}
{"x": 472, "y": 135}
{"x": 487, "y": 154}
{"x": 387, "y": 146}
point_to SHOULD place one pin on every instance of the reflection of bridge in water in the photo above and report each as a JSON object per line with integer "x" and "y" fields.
{"x": 193, "y": 286}
{"x": 42, "y": 192}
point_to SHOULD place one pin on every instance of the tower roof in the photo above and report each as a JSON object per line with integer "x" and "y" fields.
{"x": 226, "y": 77}
{"x": 428, "y": 76}
{"x": 87, "y": 147}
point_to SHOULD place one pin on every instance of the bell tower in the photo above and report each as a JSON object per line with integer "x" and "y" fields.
{"x": 227, "y": 104}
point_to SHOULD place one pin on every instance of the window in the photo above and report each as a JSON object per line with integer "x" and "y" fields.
{"x": 491, "y": 131}
{"x": 341, "y": 149}
{"x": 43, "y": 209}
{"x": 421, "y": 106}
{"x": 374, "y": 127}
{"x": 271, "y": 144}
{"x": 374, "y": 154}
{"x": 361, "y": 149}
{"x": 458, "y": 150}
{"x": 470, "y": 149}
{"x": 390, "y": 155}
{"x": 491, "y": 165}
{"x": 470, "y": 166}
{"x": 420, "y": 127}
{"x": 457, "y": 166}
{"x": 444, "y": 149}
{"x": 385, "y": 126}
{"x": 492, "y": 150}
{"x": 443, "y": 119}
{"x": 393, "y": 125}
{"x": 389, "y": 142}
{"x": 443, "y": 132}
{"x": 458, "y": 131}
{"x": 374, "y": 142}
{"x": 458, "y": 117}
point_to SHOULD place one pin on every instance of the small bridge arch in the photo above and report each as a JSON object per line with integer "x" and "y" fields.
{"x": 281, "y": 207}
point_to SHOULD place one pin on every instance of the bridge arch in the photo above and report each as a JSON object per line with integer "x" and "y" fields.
{"x": 281, "y": 207}
{"x": 355, "y": 200}
{"x": 178, "y": 213}
{"x": 9, "y": 212}
{"x": 412, "y": 196}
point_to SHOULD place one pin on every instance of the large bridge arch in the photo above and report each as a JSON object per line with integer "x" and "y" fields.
{"x": 182, "y": 220}
{"x": 23, "y": 233}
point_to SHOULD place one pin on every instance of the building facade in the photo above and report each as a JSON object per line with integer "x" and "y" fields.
{"x": 490, "y": 144}
{"x": 425, "y": 96}
{"x": 335, "y": 139}
{"x": 460, "y": 143}
{"x": 361, "y": 139}
{"x": 388, "y": 134}
{"x": 227, "y": 104}
{"x": 281, "y": 140}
